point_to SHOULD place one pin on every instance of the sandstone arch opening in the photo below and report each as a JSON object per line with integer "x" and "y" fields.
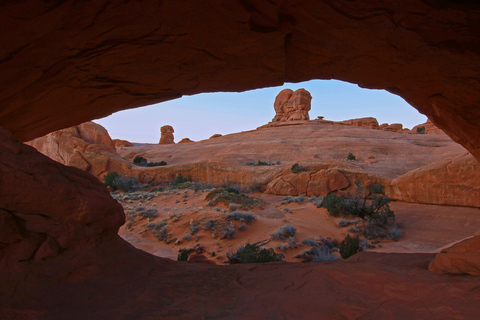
{"x": 65, "y": 62}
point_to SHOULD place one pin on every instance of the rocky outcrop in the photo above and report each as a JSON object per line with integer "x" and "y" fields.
{"x": 461, "y": 258}
{"x": 292, "y": 106}
{"x": 369, "y": 122}
{"x": 87, "y": 146}
{"x": 216, "y": 135}
{"x": 122, "y": 143}
{"x": 166, "y": 135}
{"x": 47, "y": 208}
{"x": 185, "y": 140}
{"x": 394, "y": 127}
{"x": 428, "y": 126}
{"x": 451, "y": 182}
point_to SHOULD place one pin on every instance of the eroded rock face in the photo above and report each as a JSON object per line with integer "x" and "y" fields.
{"x": 368, "y": 122}
{"x": 461, "y": 258}
{"x": 185, "y": 140}
{"x": 394, "y": 127}
{"x": 429, "y": 127}
{"x": 450, "y": 182}
{"x": 166, "y": 135}
{"x": 122, "y": 143}
{"x": 47, "y": 207}
{"x": 292, "y": 105}
{"x": 87, "y": 146}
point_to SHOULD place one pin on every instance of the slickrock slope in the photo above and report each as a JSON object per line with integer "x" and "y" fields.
{"x": 77, "y": 61}
{"x": 87, "y": 146}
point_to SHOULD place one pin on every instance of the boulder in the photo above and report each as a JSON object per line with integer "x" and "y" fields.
{"x": 461, "y": 258}
{"x": 185, "y": 140}
{"x": 216, "y": 135}
{"x": 86, "y": 146}
{"x": 452, "y": 182}
{"x": 166, "y": 135}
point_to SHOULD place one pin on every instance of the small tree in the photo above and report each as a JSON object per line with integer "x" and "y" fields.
{"x": 296, "y": 168}
{"x": 351, "y": 157}
{"x": 421, "y": 130}
{"x": 252, "y": 253}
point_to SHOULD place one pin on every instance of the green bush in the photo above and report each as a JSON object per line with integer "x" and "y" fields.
{"x": 156, "y": 164}
{"x": 335, "y": 204}
{"x": 252, "y": 253}
{"x": 349, "y": 246}
{"x": 184, "y": 254}
{"x": 139, "y": 160}
{"x": 421, "y": 130}
{"x": 296, "y": 168}
{"x": 117, "y": 182}
{"x": 179, "y": 181}
{"x": 351, "y": 157}
{"x": 284, "y": 232}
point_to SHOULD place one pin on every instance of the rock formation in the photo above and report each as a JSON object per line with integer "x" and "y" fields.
{"x": 166, "y": 135}
{"x": 185, "y": 140}
{"x": 369, "y": 122}
{"x": 86, "y": 146}
{"x": 292, "y": 106}
{"x": 461, "y": 258}
{"x": 429, "y": 127}
{"x": 394, "y": 127}
{"x": 122, "y": 143}
{"x": 216, "y": 135}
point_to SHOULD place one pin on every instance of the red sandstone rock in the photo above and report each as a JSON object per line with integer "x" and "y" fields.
{"x": 394, "y": 127}
{"x": 185, "y": 140}
{"x": 292, "y": 106}
{"x": 216, "y": 135}
{"x": 452, "y": 182}
{"x": 48, "y": 207}
{"x": 369, "y": 122}
{"x": 122, "y": 143}
{"x": 383, "y": 126}
{"x": 461, "y": 258}
{"x": 370, "y": 159}
{"x": 87, "y": 146}
{"x": 429, "y": 127}
{"x": 166, "y": 136}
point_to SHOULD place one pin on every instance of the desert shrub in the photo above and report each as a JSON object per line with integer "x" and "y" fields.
{"x": 233, "y": 207}
{"x": 292, "y": 242}
{"x": 242, "y": 227}
{"x": 395, "y": 233}
{"x": 148, "y": 213}
{"x": 156, "y": 225}
{"x": 288, "y": 199}
{"x": 310, "y": 242}
{"x": 262, "y": 163}
{"x": 284, "y": 232}
{"x": 349, "y": 246}
{"x": 241, "y": 216}
{"x": 296, "y": 168}
{"x": 179, "y": 179}
{"x": 250, "y": 163}
{"x": 335, "y": 204}
{"x": 193, "y": 228}
{"x": 162, "y": 233}
{"x": 322, "y": 254}
{"x": 317, "y": 201}
{"x": 286, "y": 210}
{"x": 117, "y": 182}
{"x": 228, "y": 232}
{"x": 209, "y": 224}
{"x": 364, "y": 245}
{"x": 156, "y": 164}
{"x": 421, "y": 130}
{"x": 139, "y": 160}
{"x": 186, "y": 237}
{"x": 252, "y": 253}
{"x": 227, "y": 196}
{"x": 343, "y": 223}
{"x": 351, "y": 157}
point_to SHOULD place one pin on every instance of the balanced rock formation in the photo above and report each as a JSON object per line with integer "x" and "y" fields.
{"x": 87, "y": 146}
{"x": 166, "y": 136}
{"x": 461, "y": 258}
{"x": 368, "y": 122}
{"x": 292, "y": 106}
{"x": 122, "y": 143}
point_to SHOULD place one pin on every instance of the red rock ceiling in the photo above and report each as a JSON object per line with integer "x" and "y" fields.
{"x": 65, "y": 62}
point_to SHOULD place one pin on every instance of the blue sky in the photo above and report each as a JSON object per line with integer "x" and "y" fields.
{"x": 200, "y": 116}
